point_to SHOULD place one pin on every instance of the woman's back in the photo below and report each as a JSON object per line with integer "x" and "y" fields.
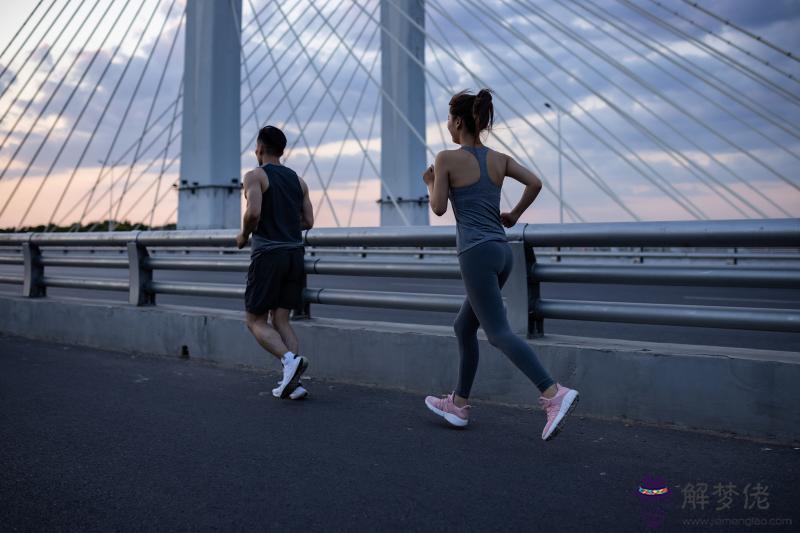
{"x": 475, "y": 182}
{"x": 464, "y": 168}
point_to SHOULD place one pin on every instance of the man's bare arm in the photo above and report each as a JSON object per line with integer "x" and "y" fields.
{"x": 252, "y": 213}
{"x": 307, "y": 216}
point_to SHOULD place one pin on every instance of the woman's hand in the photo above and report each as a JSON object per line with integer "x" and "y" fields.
{"x": 427, "y": 176}
{"x": 509, "y": 219}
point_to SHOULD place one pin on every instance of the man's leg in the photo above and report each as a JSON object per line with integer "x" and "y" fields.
{"x": 281, "y": 323}
{"x": 266, "y": 335}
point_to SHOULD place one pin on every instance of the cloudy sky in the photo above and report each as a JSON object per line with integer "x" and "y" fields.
{"x": 666, "y": 112}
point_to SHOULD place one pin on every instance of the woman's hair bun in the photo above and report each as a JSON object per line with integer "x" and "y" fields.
{"x": 483, "y": 110}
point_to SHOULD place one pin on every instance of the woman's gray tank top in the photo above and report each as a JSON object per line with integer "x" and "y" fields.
{"x": 477, "y": 207}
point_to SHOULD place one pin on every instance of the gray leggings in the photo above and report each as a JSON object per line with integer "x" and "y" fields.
{"x": 485, "y": 269}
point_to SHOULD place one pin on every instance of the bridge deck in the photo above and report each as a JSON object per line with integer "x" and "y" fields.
{"x": 102, "y": 440}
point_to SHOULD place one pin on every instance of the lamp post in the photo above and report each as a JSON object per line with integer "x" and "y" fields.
{"x": 560, "y": 179}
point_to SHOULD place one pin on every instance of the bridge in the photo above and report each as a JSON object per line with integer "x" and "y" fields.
{"x": 660, "y": 276}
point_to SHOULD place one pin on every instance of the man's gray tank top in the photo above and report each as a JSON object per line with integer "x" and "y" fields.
{"x": 477, "y": 207}
{"x": 281, "y": 210}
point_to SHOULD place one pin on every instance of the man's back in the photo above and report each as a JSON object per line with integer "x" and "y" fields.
{"x": 279, "y": 226}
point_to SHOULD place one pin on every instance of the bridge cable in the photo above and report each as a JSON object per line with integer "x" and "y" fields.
{"x": 156, "y": 182}
{"x": 38, "y": 90}
{"x": 506, "y": 102}
{"x": 672, "y": 152}
{"x": 130, "y": 102}
{"x": 610, "y": 60}
{"x": 147, "y": 167}
{"x": 171, "y": 106}
{"x": 170, "y": 139}
{"x": 664, "y": 185}
{"x": 137, "y": 153}
{"x": 24, "y": 41}
{"x": 678, "y": 79}
{"x": 355, "y": 110}
{"x": 164, "y": 161}
{"x": 35, "y": 69}
{"x": 119, "y": 160}
{"x": 77, "y": 120}
{"x": 301, "y": 135}
{"x": 749, "y": 34}
{"x": 289, "y": 67}
{"x": 705, "y": 76}
{"x": 364, "y": 159}
{"x": 21, "y": 178}
{"x": 458, "y": 60}
{"x": 728, "y": 42}
{"x": 449, "y": 91}
{"x": 713, "y": 52}
{"x": 293, "y": 107}
{"x": 726, "y": 59}
{"x": 745, "y": 152}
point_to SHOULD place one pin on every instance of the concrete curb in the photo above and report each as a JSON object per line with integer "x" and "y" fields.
{"x": 748, "y": 393}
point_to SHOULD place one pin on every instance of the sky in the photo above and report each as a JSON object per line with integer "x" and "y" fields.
{"x": 666, "y": 113}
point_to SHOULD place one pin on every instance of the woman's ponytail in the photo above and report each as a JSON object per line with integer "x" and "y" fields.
{"x": 483, "y": 110}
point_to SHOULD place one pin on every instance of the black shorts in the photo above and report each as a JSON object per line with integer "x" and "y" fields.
{"x": 275, "y": 280}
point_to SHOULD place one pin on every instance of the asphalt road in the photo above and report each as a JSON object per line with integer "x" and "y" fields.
{"x": 103, "y": 441}
{"x": 714, "y": 296}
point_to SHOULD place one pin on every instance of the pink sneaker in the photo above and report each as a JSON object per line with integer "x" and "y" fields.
{"x": 444, "y": 407}
{"x": 557, "y": 409}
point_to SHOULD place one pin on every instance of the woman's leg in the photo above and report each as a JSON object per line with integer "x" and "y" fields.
{"x": 484, "y": 273}
{"x": 466, "y": 328}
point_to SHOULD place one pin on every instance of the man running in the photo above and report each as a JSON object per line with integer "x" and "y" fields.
{"x": 278, "y": 210}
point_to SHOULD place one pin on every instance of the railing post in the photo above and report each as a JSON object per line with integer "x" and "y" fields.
{"x": 515, "y": 291}
{"x": 32, "y": 286}
{"x": 535, "y": 323}
{"x": 733, "y": 260}
{"x": 140, "y": 276}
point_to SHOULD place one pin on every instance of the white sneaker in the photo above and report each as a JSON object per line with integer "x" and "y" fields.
{"x": 297, "y": 394}
{"x": 292, "y": 370}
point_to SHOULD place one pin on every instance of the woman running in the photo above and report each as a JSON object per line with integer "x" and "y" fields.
{"x": 472, "y": 177}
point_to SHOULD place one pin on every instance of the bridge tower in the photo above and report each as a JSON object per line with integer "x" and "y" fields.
{"x": 209, "y": 194}
{"x": 403, "y": 80}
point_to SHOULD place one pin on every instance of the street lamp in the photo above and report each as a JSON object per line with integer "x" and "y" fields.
{"x": 560, "y": 180}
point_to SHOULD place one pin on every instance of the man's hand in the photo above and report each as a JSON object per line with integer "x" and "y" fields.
{"x": 241, "y": 241}
{"x": 509, "y": 219}
{"x": 427, "y": 176}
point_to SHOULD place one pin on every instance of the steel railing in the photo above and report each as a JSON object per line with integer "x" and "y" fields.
{"x": 526, "y": 309}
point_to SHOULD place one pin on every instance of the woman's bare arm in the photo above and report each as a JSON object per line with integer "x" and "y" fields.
{"x": 533, "y": 185}
{"x": 436, "y": 177}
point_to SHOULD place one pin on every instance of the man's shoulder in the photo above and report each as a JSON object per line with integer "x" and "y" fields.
{"x": 256, "y": 176}
{"x": 256, "y": 173}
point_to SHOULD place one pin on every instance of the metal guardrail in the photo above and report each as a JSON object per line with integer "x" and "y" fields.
{"x": 527, "y": 311}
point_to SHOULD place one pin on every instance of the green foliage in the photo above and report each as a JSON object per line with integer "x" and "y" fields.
{"x": 102, "y": 225}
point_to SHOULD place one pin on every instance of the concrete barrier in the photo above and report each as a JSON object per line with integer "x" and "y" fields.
{"x": 748, "y": 393}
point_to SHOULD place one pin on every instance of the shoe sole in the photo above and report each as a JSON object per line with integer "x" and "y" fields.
{"x": 450, "y": 417}
{"x": 559, "y": 423}
{"x": 294, "y": 382}
{"x": 300, "y": 397}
